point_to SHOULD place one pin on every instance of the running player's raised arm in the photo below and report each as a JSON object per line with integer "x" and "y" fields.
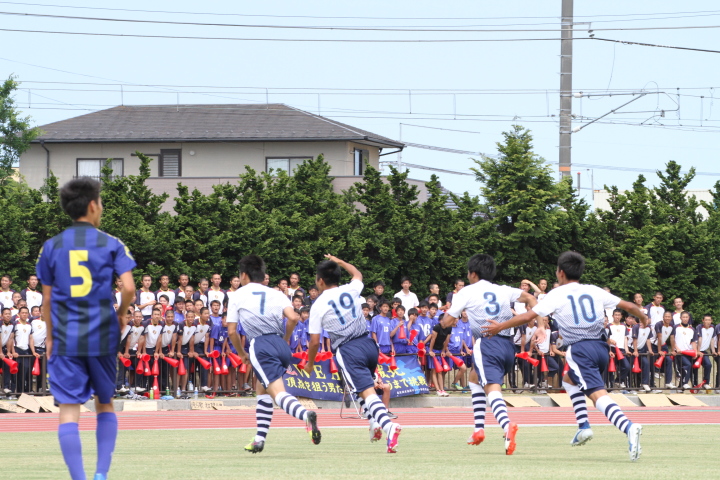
{"x": 459, "y": 303}
{"x": 632, "y": 309}
{"x": 354, "y": 272}
{"x": 494, "y": 328}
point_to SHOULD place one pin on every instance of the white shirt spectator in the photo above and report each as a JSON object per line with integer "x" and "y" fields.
{"x": 152, "y": 333}
{"x": 22, "y": 336}
{"x": 408, "y": 301}
{"x": 39, "y": 333}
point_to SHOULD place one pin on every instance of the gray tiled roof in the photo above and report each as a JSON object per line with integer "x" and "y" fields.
{"x": 205, "y": 123}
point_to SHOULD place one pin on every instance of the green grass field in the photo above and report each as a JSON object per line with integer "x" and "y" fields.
{"x": 433, "y": 453}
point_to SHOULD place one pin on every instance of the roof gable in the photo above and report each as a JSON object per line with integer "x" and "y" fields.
{"x": 205, "y": 123}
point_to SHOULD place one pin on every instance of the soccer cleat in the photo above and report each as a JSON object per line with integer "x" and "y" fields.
{"x": 510, "y": 439}
{"x": 582, "y": 436}
{"x": 99, "y": 476}
{"x": 375, "y": 434}
{"x": 255, "y": 446}
{"x": 391, "y": 415}
{"x": 457, "y": 386}
{"x": 634, "y": 448}
{"x": 392, "y": 438}
{"x": 477, "y": 437}
{"x": 312, "y": 428}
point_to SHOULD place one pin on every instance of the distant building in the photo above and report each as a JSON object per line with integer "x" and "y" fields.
{"x": 202, "y": 145}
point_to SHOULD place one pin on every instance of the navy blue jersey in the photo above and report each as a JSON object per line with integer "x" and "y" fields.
{"x": 79, "y": 264}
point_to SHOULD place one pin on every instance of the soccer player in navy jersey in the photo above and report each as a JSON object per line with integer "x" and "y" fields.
{"x": 579, "y": 312}
{"x": 338, "y": 311}
{"x": 76, "y": 269}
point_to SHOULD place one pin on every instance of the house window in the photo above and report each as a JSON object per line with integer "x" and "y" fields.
{"x": 170, "y": 164}
{"x": 287, "y": 164}
{"x": 360, "y": 161}
{"x": 90, "y": 167}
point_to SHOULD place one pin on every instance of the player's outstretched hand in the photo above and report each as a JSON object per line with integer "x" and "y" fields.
{"x": 333, "y": 258}
{"x": 494, "y": 328}
{"x": 539, "y": 336}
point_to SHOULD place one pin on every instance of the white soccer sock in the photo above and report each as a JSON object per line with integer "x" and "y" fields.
{"x": 479, "y": 403}
{"x": 365, "y": 410}
{"x": 499, "y": 408}
{"x": 578, "y": 400}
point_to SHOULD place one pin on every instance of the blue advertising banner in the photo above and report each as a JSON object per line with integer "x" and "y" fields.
{"x": 407, "y": 379}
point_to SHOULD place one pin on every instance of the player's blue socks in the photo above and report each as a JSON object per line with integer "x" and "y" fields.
{"x": 106, "y": 434}
{"x": 378, "y": 411}
{"x": 71, "y": 448}
{"x": 613, "y": 413}
{"x": 499, "y": 408}
{"x": 479, "y": 403}
{"x": 263, "y": 416}
{"x": 579, "y": 405}
{"x": 291, "y": 406}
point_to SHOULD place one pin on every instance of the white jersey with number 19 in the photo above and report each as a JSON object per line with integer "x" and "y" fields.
{"x": 578, "y": 309}
{"x": 339, "y": 312}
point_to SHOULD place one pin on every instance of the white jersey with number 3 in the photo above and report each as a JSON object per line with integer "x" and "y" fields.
{"x": 578, "y": 309}
{"x": 259, "y": 309}
{"x": 339, "y": 312}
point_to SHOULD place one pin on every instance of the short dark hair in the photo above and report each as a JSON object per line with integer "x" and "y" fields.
{"x": 424, "y": 303}
{"x": 76, "y": 195}
{"x": 405, "y": 279}
{"x": 164, "y": 275}
{"x": 458, "y": 280}
{"x": 166, "y": 297}
{"x": 707, "y": 315}
{"x": 433, "y": 305}
{"x": 373, "y": 297}
{"x": 313, "y": 287}
{"x": 146, "y": 275}
{"x": 483, "y": 265}
{"x": 203, "y": 310}
{"x": 253, "y": 266}
{"x": 34, "y": 307}
{"x": 329, "y": 272}
{"x": 5, "y": 308}
{"x": 396, "y": 300}
{"x": 430, "y": 285}
{"x": 378, "y": 283}
{"x": 399, "y": 307}
{"x": 25, "y": 308}
{"x": 617, "y": 310}
{"x": 434, "y": 295}
{"x": 364, "y": 305}
{"x": 572, "y": 263}
{"x": 305, "y": 309}
{"x": 157, "y": 309}
{"x": 413, "y": 311}
{"x": 215, "y": 301}
{"x": 384, "y": 302}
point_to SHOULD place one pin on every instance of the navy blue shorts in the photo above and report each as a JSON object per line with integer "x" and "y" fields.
{"x": 358, "y": 361}
{"x": 429, "y": 363}
{"x": 494, "y": 357}
{"x": 587, "y": 360}
{"x": 75, "y": 379}
{"x": 270, "y": 356}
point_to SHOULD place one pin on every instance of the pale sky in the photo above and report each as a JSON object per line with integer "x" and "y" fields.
{"x": 479, "y": 88}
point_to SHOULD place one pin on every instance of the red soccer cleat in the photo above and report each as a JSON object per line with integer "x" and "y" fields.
{"x": 510, "y": 439}
{"x": 477, "y": 437}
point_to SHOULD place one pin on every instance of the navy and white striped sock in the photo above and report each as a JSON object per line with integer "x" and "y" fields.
{"x": 291, "y": 406}
{"x": 499, "y": 409}
{"x": 263, "y": 416}
{"x": 378, "y": 412}
{"x": 364, "y": 409}
{"x": 613, "y": 413}
{"x": 579, "y": 405}
{"x": 479, "y": 403}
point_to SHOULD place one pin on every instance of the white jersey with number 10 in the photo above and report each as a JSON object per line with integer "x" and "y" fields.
{"x": 578, "y": 309}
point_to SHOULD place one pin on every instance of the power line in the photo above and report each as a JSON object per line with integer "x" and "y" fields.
{"x": 653, "y": 45}
{"x": 340, "y": 28}
{"x": 364, "y": 40}
{"x": 225, "y": 14}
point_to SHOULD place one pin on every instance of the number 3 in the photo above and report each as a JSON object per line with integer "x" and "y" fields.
{"x": 80, "y": 271}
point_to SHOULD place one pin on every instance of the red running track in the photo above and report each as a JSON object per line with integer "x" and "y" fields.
{"x": 411, "y": 417}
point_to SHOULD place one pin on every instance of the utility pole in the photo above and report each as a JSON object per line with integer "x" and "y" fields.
{"x": 566, "y": 35}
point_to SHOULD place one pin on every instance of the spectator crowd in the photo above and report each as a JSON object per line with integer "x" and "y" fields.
{"x": 175, "y": 341}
